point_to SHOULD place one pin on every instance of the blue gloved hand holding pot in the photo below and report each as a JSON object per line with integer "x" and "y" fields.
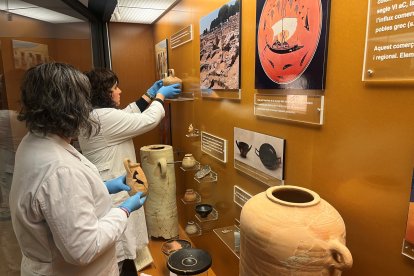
{"x": 170, "y": 91}
{"x": 117, "y": 185}
{"x": 134, "y": 202}
{"x": 152, "y": 91}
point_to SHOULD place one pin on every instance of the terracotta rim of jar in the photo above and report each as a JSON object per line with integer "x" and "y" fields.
{"x": 304, "y": 197}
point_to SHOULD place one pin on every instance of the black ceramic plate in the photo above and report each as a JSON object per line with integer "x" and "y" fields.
{"x": 190, "y": 261}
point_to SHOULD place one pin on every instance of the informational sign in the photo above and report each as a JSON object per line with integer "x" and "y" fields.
{"x": 389, "y": 45}
{"x": 182, "y": 36}
{"x": 299, "y": 108}
{"x": 214, "y": 146}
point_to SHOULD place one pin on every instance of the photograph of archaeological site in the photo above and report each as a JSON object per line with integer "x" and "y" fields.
{"x": 220, "y": 48}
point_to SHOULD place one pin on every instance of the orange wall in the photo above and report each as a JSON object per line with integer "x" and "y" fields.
{"x": 361, "y": 160}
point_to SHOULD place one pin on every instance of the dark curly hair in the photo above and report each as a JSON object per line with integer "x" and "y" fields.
{"x": 55, "y": 99}
{"x": 102, "y": 80}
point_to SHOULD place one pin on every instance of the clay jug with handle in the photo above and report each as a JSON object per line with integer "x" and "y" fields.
{"x": 135, "y": 178}
{"x": 172, "y": 79}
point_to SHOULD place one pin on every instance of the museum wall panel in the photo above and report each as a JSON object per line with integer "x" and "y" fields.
{"x": 360, "y": 160}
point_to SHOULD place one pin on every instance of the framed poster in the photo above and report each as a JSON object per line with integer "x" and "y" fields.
{"x": 291, "y": 44}
{"x": 259, "y": 155}
{"x": 28, "y": 54}
{"x": 161, "y": 58}
{"x": 220, "y": 48}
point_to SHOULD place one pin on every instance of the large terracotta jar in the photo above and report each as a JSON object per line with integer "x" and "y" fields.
{"x": 160, "y": 207}
{"x": 290, "y": 230}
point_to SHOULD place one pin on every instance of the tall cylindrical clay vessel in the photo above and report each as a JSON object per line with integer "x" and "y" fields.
{"x": 290, "y": 230}
{"x": 160, "y": 207}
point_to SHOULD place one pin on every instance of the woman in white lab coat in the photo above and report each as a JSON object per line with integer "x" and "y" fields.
{"x": 108, "y": 149}
{"x": 61, "y": 209}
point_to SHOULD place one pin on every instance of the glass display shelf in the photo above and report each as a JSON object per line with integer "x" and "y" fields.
{"x": 226, "y": 235}
{"x": 212, "y": 216}
{"x": 195, "y": 133}
{"x": 196, "y": 167}
{"x": 197, "y": 200}
{"x": 184, "y": 96}
{"x": 210, "y": 177}
{"x": 198, "y": 233}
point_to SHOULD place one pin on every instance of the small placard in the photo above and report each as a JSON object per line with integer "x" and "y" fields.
{"x": 182, "y": 36}
{"x": 240, "y": 196}
{"x": 214, "y": 146}
{"x": 300, "y": 108}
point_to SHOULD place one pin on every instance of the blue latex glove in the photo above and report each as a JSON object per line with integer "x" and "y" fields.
{"x": 154, "y": 88}
{"x": 170, "y": 91}
{"x": 117, "y": 184}
{"x": 134, "y": 202}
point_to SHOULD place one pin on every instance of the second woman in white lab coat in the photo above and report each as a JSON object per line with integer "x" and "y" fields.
{"x": 113, "y": 143}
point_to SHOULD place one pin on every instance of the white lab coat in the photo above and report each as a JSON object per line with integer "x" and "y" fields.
{"x": 108, "y": 149}
{"x": 61, "y": 211}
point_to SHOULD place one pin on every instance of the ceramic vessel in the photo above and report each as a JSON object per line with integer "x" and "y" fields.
{"x": 191, "y": 228}
{"x": 172, "y": 79}
{"x": 190, "y": 195}
{"x": 160, "y": 206}
{"x": 203, "y": 210}
{"x": 188, "y": 161}
{"x": 290, "y": 230}
{"x": 135, "y": 178}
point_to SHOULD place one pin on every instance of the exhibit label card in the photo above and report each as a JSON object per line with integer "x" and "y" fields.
{"x": 299, "y": 108}
{"x": 182, "y": 36}
{"x": 214, "y": 146}
{"x": 389, "y": 45}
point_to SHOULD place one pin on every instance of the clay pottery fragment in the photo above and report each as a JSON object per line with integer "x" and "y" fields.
{"x": 190, "y": 195}
{"x": 135, "y": 178}
{"x": 290, "y": 230}
{"x": 188, "y": 161}
{"x": 173, "y": 245}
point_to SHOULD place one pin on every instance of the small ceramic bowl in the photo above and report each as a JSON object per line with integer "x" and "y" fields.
{"x": 203, "y": 210}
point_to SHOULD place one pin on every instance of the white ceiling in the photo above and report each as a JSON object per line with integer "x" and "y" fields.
{"x": 140, "y": 11}
{"x": 128, "y": 11}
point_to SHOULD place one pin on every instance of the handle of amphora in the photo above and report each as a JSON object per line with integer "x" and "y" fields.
{"x": 163, "y": 165}
{"x": 126, "y": 165}
{"x": 171, "y": 72}
{"x": 341, "y": 256}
